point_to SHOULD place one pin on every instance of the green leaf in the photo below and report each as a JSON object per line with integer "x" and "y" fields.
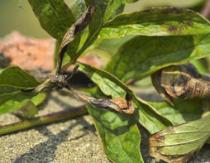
{"x": 15, "y": 101}
{"x": 54, "y": 16}
{"x": 156, "y": 22}
{"x": 120, "y": 136}
{"x": 177, "y": 144}
{"x": 169, "y": 112}
{"x": 14, "y": 77}
{"x": 142, "y": 56}
{"x": 148, "y": 116}
{"x": 114, "y": 8}
{"x": 29, "y": 110}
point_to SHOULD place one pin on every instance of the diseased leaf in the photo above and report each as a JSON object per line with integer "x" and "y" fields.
{"x": 14, "y": 78}
{"x": 54, "y": 16}
{"x": 119, "y": 133}
{"x": 177, "y": 144}
{"x": 112, "y": 87}
{"x": 156, "y": 22}
{"x": 142, "y": 56}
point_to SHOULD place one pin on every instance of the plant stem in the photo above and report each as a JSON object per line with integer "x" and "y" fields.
{"x": 43, "y": 120}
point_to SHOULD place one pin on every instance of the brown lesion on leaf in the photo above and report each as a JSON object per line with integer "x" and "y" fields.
{"x": 125, "y": 105}
{"x": 156, "y": 144}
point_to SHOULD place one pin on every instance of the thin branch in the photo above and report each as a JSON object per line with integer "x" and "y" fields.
{"x": 43, "y": 120}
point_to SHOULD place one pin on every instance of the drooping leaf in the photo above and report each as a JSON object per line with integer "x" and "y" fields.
{"x": 177, "y": 144}
{"x": 54, "y": 16}
{"x": 156, "y": 22}
{"x": 142, "y": 56}
{"x": 13, "y": 77}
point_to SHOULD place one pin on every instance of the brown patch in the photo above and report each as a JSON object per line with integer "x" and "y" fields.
{"x": 121, "y": 102}
{"x": 172, "y": 28}
{"x": 124, "y": 105}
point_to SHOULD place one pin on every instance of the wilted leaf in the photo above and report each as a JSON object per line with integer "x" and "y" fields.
{"x": 177, "y": 144}
{"x": 141, "y": 56}
{"x": 156, "y": 22}
{"x": 16, "y": 78}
